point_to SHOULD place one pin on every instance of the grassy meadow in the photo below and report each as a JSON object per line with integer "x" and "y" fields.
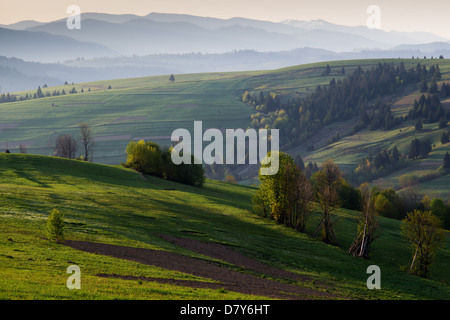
{"x": 114, "y": 205}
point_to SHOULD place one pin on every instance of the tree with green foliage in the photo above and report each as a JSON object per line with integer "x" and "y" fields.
{"x": 286, "y": 196}
{"x": 326, "y": 183}
{"x": 172, "y": 78}
{"x": 149, "y": 158}
{"x": 425, "y": 233}
{"x": 145, "y": 157}
{"x": 55, "y": 226}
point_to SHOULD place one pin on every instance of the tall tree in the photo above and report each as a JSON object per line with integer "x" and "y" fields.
{"x": 87, "y": 140}
{"x": 286, "y": 196}
{"x": 425, "y": 233}
{"x": 367, "y": 225}
{"x": 446, "y": 163}
{"x": 327, "y": 182}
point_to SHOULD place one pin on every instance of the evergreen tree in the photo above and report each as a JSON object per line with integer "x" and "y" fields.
{"x": 443, "y": 123}
{"x": 419, "y": 125}
{"x": 446, "y": 162}
{"x": 395, "y": 154}
{"x": 414, "y": 149}
{"x": 425, "y": 147}
{"x": 433, "y": 86}
{"x": 172, "y": 78}
{"x": 424, "y": 86}
{"x": 444, "y": 138}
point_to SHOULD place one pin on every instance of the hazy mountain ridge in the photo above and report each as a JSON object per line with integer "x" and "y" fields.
{"x": 120, "y": 46}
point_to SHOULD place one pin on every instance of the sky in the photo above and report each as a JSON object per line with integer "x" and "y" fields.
{"x": 400, "y": 15}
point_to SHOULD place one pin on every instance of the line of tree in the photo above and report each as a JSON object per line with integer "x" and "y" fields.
{"x": 7, "y": 97}
{"x": 289, "y": 197}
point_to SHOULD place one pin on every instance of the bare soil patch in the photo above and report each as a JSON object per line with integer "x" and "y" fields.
{"x": 227, "y": 278}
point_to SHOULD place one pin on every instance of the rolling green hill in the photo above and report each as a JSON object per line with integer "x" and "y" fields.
{"x": 150, "y": 108}
{"x": 117, "y": 206}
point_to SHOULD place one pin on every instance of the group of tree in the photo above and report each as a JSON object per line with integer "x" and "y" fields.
{"x": 149, "y": 158}
{"x": 357, "y": 95}
{"x": 419, "y": 148}
{"x": 66, "y": 146}
{"x": 384, "y": 162}
{"x": 4, "y": 98}
{"x": 429, "y": 109}
{"x": 289, "y": 198}
{"x": 445, "y": 90}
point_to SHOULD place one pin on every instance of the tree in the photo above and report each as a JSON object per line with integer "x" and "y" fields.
{"x": 419, "y": 124}
{"x": 446, "y": 162}
{"x": 424, "y": 86}
{"x": 424, "y": 232}
{"x": 145, "y": 157}
{"x": 409, "y": 193}
{"x": 55, "y": 226}
{"x": 395, "y": 154}
{"x": 327, "y": 182}
{"x": 172, "y": 78}
{"x": 66, "y": 146}
{"x": 149, "y": 158}
{"x": 414, "y": 149}
{"x": 443, "y": 123}
{"x": 22, "y": 148}
{"x": 433, "y": 86}
{"x": 286, "y": 196}
{"x": 87, "y": 139}
{"x": 367, "y": 225}
{"x": 425, "y": 147}
{"x": 39, "y": 93}
{"x": 327, "y": 71}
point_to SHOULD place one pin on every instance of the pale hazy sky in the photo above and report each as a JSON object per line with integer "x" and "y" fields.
{"x": 401, "y": 15}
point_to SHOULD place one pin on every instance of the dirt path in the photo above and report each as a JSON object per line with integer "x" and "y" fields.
{"x": 228, "y": 279}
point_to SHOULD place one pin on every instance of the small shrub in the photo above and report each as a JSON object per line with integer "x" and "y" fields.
{"x": 55, "y": 226}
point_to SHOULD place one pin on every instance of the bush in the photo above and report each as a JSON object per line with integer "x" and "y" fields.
{"x": 55, "y": 226}
{"x": 149, "y": 158}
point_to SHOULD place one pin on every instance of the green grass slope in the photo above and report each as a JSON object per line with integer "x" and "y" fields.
{"x": 114, "y": 205}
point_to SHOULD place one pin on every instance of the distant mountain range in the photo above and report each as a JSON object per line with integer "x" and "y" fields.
{"x": 117, "y": 46}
